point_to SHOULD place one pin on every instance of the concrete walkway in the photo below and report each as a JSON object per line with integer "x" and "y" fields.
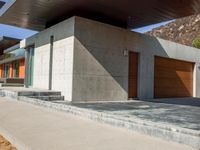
{"x": 34, "y": 128}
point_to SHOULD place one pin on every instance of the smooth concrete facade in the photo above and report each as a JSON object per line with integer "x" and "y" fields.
{"x": 90, "y": 60}
{"x": 62, "y": 57}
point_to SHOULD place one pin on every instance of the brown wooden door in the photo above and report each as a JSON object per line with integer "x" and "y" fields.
{"x": 133, "y": 74}
{"x": 173, "y": 78}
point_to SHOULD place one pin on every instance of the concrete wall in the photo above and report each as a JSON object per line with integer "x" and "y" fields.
{"x": 101, "y": 69}
{"x": 41, "y": 67}
{"x": 89, "y": 62}
{"x": 62, "y": 57}
{"x": 63, "y": 66}
{"x": 197, "y": 81}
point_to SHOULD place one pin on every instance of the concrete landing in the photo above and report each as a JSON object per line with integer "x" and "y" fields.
{"x": 179, "y": 113}
{"x": 30, "y": 127}
{"x": 11, "y": 85}
{"x": 46, "y": 95}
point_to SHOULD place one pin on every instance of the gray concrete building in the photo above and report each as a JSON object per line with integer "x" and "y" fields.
{"x": 92, "y": 61}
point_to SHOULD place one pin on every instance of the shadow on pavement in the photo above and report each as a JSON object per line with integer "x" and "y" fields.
{"x": 179, "y": 101}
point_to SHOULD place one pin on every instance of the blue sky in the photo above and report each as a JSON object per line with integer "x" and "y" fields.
{"x": 15, "y": 32}
{"x": 150, "y": 27}
{"x": 5, "y": 0}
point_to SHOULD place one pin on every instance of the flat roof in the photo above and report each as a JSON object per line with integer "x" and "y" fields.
{"x": 7, "y": 42}
{"x": 38, "y": 15}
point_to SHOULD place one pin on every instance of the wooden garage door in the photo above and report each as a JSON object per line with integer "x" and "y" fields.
{"x": 133, "y": 73}
{"x": 173, "y": 78}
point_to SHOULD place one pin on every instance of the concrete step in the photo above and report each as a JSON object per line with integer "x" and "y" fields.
{"x": 38, "y": 93}
{"x": 33, "y": 93}
{"x": 48, "y": 98}
{"x": 11, "y": 85}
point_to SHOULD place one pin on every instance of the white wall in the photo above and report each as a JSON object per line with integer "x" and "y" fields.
{"x": 62, "y": 57}
{"x": 41, "y": 67}
{"x": 63, "y": 66}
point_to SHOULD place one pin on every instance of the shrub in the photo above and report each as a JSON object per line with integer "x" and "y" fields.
{"x": 196, "y": 42}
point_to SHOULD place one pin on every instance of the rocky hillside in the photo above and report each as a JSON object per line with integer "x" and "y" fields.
{"x": 183, "y": 30}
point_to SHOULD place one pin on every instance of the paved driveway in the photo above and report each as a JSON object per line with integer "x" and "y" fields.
{"x": 184, "y": 112}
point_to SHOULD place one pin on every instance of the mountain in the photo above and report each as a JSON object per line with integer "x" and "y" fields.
{"x": 183, "y": 30}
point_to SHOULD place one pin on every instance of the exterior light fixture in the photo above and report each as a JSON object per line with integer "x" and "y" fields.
{"x": 5, "y": 5}
{"x": 125, "y": 52}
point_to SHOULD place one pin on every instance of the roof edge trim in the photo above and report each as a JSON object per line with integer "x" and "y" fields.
{"x": 6, "y": 6}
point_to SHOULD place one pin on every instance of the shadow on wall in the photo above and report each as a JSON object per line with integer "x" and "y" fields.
{"x": 101, "y": 73}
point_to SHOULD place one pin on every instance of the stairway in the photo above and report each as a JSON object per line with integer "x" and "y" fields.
{"x": 43, "y": 95}
{"x": 11, "y": 85}
{"x": 11, "y": 82}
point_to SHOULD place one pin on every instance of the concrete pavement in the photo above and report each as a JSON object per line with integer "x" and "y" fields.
{"x": 35, "y": 128}
{"x": 177, "y": 112}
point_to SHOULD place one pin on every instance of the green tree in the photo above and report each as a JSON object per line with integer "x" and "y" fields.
{"x": 196, "y": 42}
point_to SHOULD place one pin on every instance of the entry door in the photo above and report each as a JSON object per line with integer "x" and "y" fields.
{"x": 133, "y": 75}
{"x": 6, "y": 70}
{"x": 29, "y": 66}
{"x": 173, "y": 78}
{"x": 16, "y": 69}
